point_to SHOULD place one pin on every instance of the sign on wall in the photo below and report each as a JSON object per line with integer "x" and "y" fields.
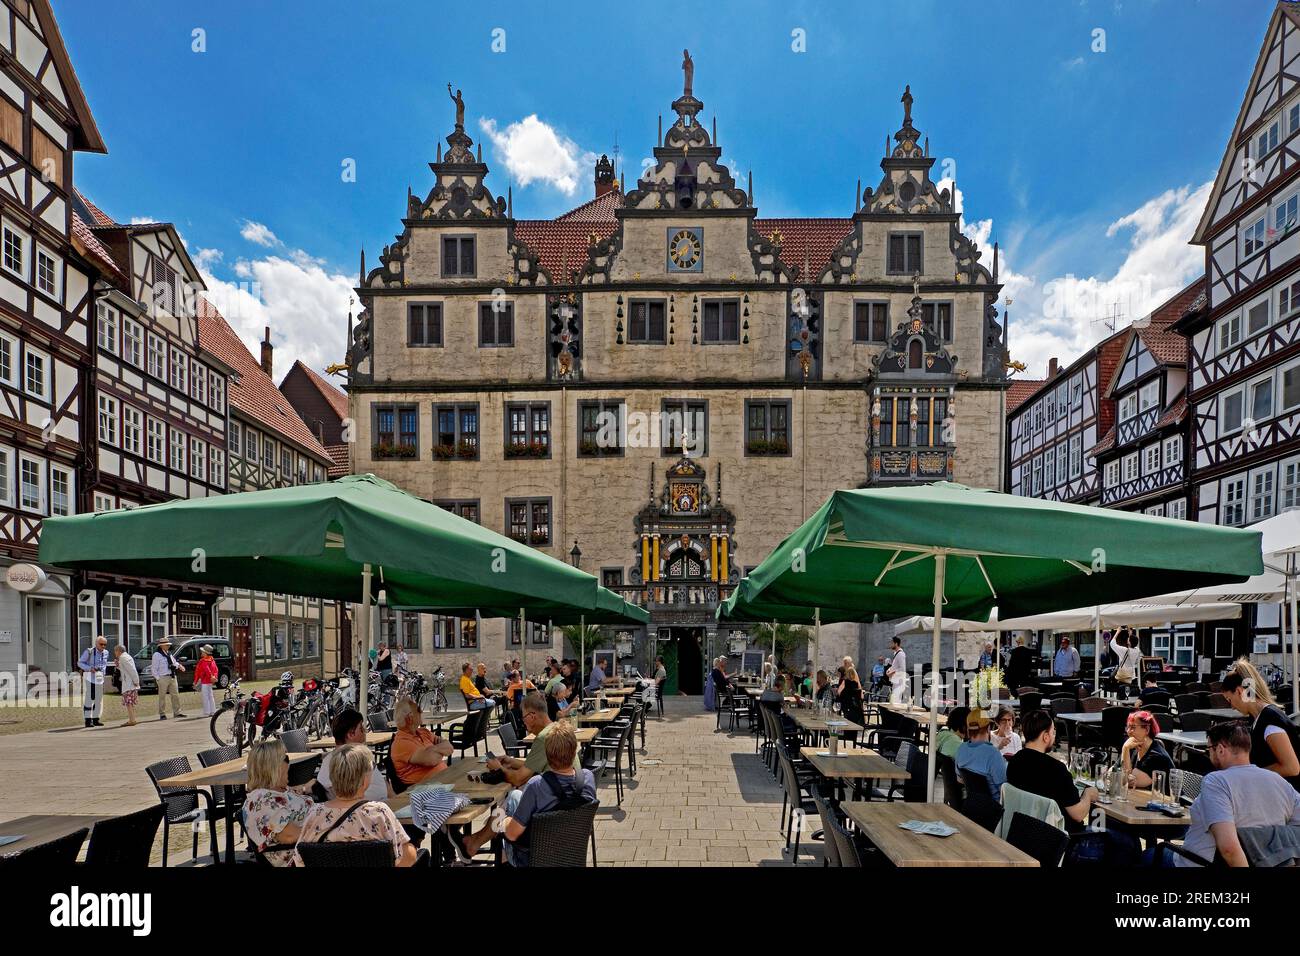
{"x": 25, "y": 577}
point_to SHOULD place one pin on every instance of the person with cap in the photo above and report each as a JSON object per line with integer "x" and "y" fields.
{"x": 978, "y": 755}
{"x": 93, "y": 663}
{"x": 205, "y": 676}
{"x": 164, "y": 668}
{"x": 1066, "y": 662}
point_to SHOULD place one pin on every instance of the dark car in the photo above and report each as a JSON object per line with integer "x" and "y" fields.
{"x": 186, "y": 651}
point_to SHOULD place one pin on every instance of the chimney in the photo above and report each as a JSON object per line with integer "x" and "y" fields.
{"x": 1051, "y": 367}
{"x": 604, "y": 176}
{"x": 268, "y": 351}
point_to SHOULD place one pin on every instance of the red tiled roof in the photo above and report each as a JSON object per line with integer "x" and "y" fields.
{"x": 561, "y": 244}
{"x": 1021, "y": 390}
{"x": 805, "y": 241}
{"x": 331, "y": 392}
{"x": 1106, "y": 444}
{"x": 600, "y": 209}
{"x": 1175, "y": 413}
{"x": 254, "y": 394}
{"x": 339, "y": 465}
{"x": 94, "y": 248}
{"x": 101, "y": 218}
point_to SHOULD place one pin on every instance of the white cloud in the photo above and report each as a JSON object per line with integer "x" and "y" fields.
{"x": 981, "y": 233}
{"x": 258, "y": 233}
{"x": 142, "y": 220}
{"x": 304, "y": 303}
{"x": 533, "y": 151}
{"x": 205, "y": 259}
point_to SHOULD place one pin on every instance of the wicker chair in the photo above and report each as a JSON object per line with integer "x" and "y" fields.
{"x": 54, "y": 853}
{"x": 561, "y": 837}
{"x": 830, "y": 847}
{"x": 182, "y": 804}
{"x": 228, "y": 802}
{"x": 125, "y": 841}
{"x": 363, "y": 853}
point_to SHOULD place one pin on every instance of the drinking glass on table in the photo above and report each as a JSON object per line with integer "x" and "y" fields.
{"x": 1175, "y": 785}
{"x": 1159, "y": 785}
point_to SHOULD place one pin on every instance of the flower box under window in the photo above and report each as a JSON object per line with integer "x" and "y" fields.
{"x": 768, "y": 446}
{"x": 535, "y": 449}
{"x": 541, "y": 536}
{"x": 393, "y": 451}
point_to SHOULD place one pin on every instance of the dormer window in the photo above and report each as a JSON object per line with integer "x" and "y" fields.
{"x": 904, "y": 253}
{"x": 458, "y": 258}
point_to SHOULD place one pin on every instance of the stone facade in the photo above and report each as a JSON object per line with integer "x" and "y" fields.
{"x": 484, "y": 342}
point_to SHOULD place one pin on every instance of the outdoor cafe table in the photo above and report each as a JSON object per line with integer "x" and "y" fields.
{"x": 231, "y": 773}
{"x": 808, "y": 720}
{"x": 436, "y": 718}
{"x": 1129, "y": 814}
{"x": 457, "y": 774}
{"x": 585, "y": 735}
{"x": 599, "y": 716}
{"x": 853, "y": 763}
{"x": 1185, "y": 738}
{"x": 971, "y": 845}
{"x": 373, "y": 739}
{"x": 41, "y": 828}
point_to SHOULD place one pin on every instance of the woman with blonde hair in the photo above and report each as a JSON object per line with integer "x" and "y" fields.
{"x": 273, "y": 811}
{"x": 1273, "y": 738}
{"x": 350, "y": 817}
{"x": 849, "y": 697}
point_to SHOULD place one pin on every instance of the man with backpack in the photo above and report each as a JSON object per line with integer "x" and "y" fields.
{"x": 562, "y": 787}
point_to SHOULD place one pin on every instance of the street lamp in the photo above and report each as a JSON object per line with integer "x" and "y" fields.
{"x": 575, "y": 556}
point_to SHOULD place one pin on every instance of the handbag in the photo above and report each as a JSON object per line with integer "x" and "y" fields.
{"x": 1124, "y": 673}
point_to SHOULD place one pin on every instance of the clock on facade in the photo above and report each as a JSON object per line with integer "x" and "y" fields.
{"x": 685, "y": 249}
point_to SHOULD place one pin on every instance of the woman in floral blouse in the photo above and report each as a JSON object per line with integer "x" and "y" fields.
{"x": 274, "y": 812}
{"x": 350, "y": 816}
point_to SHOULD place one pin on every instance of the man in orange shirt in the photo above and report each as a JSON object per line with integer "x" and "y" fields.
{"x": 417, "y": 753}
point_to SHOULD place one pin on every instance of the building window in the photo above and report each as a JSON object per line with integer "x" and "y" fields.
{"x": 158, "y": 620}
{"x": 36, "y": 381}
{"x": 767, "y": 427}
{"x": 1257, "y": 317}
{"x": 537, "y": 633}
{"x": 684, "y": 427}
{"x": 1151, "y": 459}
{"x": 496, "y": 324}
{"x": 8, "y": 360}
{"x": 108, "y": 420}
{"x": 904, "y": 253}
{"x": 157, "y": 358}
{"x": 1155, "y": 511}
{"x": 110, "y": 625}
{"x": 6, "y": 477}
{"x": 178, "y": 451}
{"x": 104, "y": 503}
{"x": 1149, "y": 395}
{"x": 106, "y": 336}
{"x": 279, "y": 640}
{"x": 1110, "y": 474}
{"x": 61, "y": 491}
{"x": 1266, "y": 141}
{"x": 47, "y": 273}
{"x": 199, "y": 383}
{"x": 1252, "y": 237}
{"x": 132, "y": 426}
{"x": 646, "y": 322}
{"x": 1177, "y": 509}
{"x": 458, "y": 256}
{"x": 423, "y": 324}
{"x": 86, "y": 629}
{"x": 268, "y": 453}
{"x": 1076, "y": 456}
{"x": 468, "y": 627}
{"x": 1231, "y": 410}
{"x": 1062, "y": 464}
{"x": 164, "y": 288}
{"x": 198, "y": 460}
{"x": 1128, "y": 407}
{"x": 937, "y": 317}
{"x": 1049, "y": 469}
{"x": 1261, "y": 495}
{"x": 135, "y": 623}
{"x": 1290, "y": 484}
{"x": 1234, "y": 502}
{"x": 395, "y": 431}
{"x": 217, "y": 392}
{"x": 466, "y": 509}
{"x": 410, "y": 631}
{"x": 721, "y": 321}
{"x": 251, "y": 443}
{"x": 1173, "y": 450}
{"x": 528, "y": 520}
{"x": 234, "y": 440}
{"x": 286, "y": 461}
{"x": 457, "y": 432}
{"x": 1129, "y": 467}
{"x": 1076, "y": 394}
{"x": 442, "y": 634}
{"x": 870, "y": 322}
{"x": 1261, "y": 399}
{"x": 1288, "y": 299}
{"x": 1038, "y": 476}
{"x": 133, "y": 343}
{"x": 601, "y": 428}
{"x": 528, "y": 430}
{"x": 156, "y": 440}
{"x": 179, "y": 371}
{"x": 296, "y": 632}
{"x": 217, "y": 475}
{"x": 14, "y": 255}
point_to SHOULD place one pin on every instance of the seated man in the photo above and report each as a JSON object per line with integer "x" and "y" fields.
{"x": 978, "y": 755}
{"x": 474, "y": 699}
{"x": 1152, "y": 693}
{"x": 417, "y": 753}
{"x": 774, "y": 697}
{"x": 561, "y": 783}
{"x": 1034, "y": 770}
{"x": 1237, "y": 794}
{"x": 597, "y": 678}
{"x": 350, "y": 728}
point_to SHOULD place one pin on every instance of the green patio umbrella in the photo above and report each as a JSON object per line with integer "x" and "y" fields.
{"x": 326, "y": 541}
{"x": 957, "y": 552}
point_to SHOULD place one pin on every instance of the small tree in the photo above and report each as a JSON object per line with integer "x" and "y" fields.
{"x": 584, "y": 639}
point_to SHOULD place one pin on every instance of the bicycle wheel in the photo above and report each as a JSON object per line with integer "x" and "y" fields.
{"x": 223, "y": 727}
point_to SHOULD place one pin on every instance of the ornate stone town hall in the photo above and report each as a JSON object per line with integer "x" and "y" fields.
{"x": 665, "y": 382}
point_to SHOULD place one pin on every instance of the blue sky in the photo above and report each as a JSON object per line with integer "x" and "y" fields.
{"x": 1081, "y": 163}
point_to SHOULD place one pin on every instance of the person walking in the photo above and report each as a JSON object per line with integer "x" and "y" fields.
{"x": 93, "y": 663}
{"x": 164, "y": 668}
{"x": 897, "y": 672}
{"x": 129, "y": 678}
{"x": 1066, "y": 662}
{"x": 205, "y": 676}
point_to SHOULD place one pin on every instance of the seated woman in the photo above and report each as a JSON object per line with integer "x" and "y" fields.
{"x": 350, "y": 817}
{"x": 273, "y": 811}
{"x": 1142, "y": 754}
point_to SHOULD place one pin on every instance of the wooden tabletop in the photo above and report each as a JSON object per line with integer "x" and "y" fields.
{"x": 585, "y": 735}
{"x": 853, "y": 763}
{"x": 232, "y": 773}
{"x": 599, "y": 716}
{"x": 457, "y": 775}
{"x": 971, "y": 845}
{"x": 373, "y": 739}
{"x": 41, "y": 828}
{"x": 1130, "y": 814}
{"x": 808, "y": 720}
{"x": 908, "y": 710}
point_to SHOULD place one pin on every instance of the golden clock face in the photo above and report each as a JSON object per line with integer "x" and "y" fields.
{"x": 685, "y": 249}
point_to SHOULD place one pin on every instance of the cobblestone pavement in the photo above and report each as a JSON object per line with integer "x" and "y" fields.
{"x": 22, "y": 719}
{"x": 707, "y": 801}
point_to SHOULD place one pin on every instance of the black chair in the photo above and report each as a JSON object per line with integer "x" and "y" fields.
{"x": 659, "y": 698}
{"x": 510, "y": 743}
{"x": 846, "y": 847}
{"x": 830, "y": 847}
{"x": 907, "y": 757}
{"x": 561, "y": 837}
{"x": 953, "y": 795}
{"x": 1044, "y": 842}
{"x": 1218, "y": 701}
{"x": 798, "y": 793}
{"x": 1030, "y": 700}
{"x": 227, "y": 801}
{"x": 53, "y": 853}
{"x": 364, "y": 853}
{"x": 1114, "y": 724}
{"x": 125, "y": 841}
{"x": 378, "y": 722}
{"x": 390, "y": 771}
{"x": 1190, "y": 788}
{"x": 980, "y": 805}
{"x": 468, "y": 732}
{"x": 740, "y": 709}
{"x": 295, "y": 741}
{"x": 182, "y": 804}
{"x": 610, "y": 748}
{"x": 1186, "y": 703}
{"x": 1192, "y": 721}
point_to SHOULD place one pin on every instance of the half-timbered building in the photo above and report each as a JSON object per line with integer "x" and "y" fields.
{"x": 1142, "y": 458}
{"x": 660, "y": 384}
{"x": 268, "y": 446}
{"x": 49, "y": 262}
{"x": 159, "y": 414}
{"x": 1055, "y": 422}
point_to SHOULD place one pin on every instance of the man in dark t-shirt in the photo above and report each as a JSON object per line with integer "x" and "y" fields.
{"x": 1035, "y": 770}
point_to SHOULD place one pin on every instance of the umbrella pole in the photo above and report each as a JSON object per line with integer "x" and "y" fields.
{"x": 940, "y": 568}
{"x": 1096, "y": 649}
{"x": 582, "y": 640}
{"x": 523, "y": 645}
{"x": 817, "y": 646}
{"x": 363, "y": 702}
{"x": 774, "y": 646}
{"x": 1295, "y": 649}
